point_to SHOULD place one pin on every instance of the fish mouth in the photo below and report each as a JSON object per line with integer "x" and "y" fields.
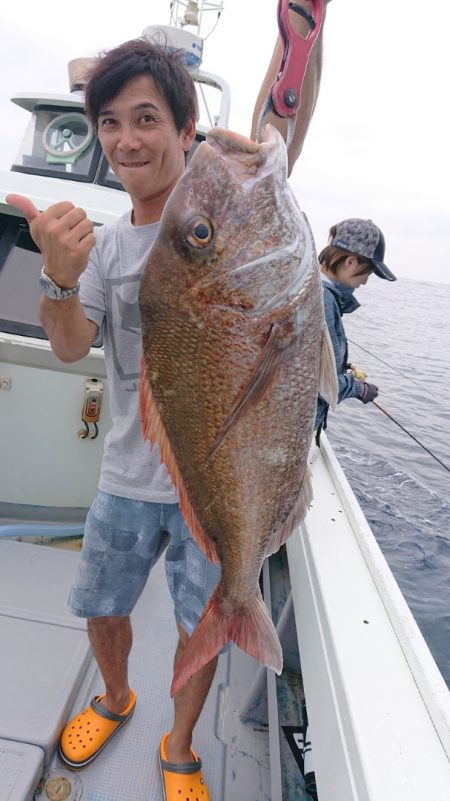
{"x": 250, "y": 161}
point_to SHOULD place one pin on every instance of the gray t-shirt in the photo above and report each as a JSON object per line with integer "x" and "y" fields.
{"x": 109, "y": 294}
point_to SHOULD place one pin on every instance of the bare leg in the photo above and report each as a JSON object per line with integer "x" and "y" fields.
{"x": 310, "y": 89}
{"x": 188, "y": 704}
{"x": 111, "y": 639}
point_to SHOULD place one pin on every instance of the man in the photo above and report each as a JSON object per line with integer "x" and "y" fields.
{"x": 142, "y": 102}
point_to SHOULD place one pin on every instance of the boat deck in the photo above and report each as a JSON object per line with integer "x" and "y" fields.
{"x": 379, "y": 709}
{"x": 48, "y": 675}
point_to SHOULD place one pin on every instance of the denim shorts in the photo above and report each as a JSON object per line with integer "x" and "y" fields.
{"x": 123, "y": 539}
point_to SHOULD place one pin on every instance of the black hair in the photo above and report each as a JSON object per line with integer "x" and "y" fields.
{"x": 115, "y": 68}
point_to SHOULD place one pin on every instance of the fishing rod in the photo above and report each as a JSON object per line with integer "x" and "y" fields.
{"x": 410, "y": 435}
{"x": 395, "y": 369}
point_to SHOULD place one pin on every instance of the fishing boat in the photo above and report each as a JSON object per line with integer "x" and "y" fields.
{"x": 355, "y": 662}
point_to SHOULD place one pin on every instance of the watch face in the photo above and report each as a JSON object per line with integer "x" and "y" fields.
{"x": 47, "y": 286}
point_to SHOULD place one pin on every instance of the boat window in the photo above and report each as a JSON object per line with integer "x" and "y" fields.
{"x": 20, "y": 266}
{"x": 106, "y": 177}
{"x": 60, "y": 143}
{"x": 209, "y": 104}
{"x": 199, "y": 137}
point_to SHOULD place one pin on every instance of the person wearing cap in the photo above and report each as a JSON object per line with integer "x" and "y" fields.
{"x": 354, "y": 252}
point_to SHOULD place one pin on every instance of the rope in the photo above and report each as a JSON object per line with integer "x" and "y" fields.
{"x": 411, "y": 435}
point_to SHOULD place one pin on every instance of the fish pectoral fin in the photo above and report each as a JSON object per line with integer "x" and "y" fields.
{"x": 296, "y": 515}
{"x": 153, "y": 429}
{"x": 328, "y": 383}
{"x": 264, "y": 375}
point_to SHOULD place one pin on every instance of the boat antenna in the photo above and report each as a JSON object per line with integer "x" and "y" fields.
{"x": 191, "y": 13}
{"x": 411, "y": 435}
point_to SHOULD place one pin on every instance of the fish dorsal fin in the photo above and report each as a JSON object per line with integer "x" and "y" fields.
{"x": 153, "y": 429}
{"x": 264, "y": 375}
{"x": 328, "y": 383}
{"x": 296, "y": 515}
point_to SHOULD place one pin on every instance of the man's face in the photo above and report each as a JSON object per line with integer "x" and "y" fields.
{"x": 139, "y": 138}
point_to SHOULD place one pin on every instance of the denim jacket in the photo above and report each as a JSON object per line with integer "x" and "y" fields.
{"x": 338, "y": 300}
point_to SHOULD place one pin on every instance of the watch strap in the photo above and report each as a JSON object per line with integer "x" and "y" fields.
{"x": 55, "y": 292}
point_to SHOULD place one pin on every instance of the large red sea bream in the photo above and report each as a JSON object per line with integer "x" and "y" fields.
{"x": 235, "y": 351}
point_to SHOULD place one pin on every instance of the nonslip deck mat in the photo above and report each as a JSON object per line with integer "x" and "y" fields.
{"x": 127, "y": 769}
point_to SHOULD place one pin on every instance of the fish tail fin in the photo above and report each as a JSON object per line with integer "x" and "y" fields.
{"x": 250, "y": 627}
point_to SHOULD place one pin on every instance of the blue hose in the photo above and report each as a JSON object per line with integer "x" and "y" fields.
{"x": 52, "y": 530}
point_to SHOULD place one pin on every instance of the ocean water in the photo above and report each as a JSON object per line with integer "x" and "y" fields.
{"x": 403, "y": 491}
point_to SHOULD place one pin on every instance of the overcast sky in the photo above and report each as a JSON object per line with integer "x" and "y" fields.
{"x": 378, "y": 144}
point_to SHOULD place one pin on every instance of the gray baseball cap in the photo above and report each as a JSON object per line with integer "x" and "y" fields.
{"x": 365, "y": 239}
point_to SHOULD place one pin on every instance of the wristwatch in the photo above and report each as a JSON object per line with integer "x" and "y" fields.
{"x": 54, "y": 291}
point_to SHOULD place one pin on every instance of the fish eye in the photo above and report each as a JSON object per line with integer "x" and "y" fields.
{"x": 199, "y": 232}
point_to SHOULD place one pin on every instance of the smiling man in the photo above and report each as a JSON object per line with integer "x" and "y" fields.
{"x": 143, "y": 104}
{"x": 143, "y": 144}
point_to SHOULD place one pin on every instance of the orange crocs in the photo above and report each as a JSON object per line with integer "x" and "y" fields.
{"x": 184, "y": 782}
{"x": 87, "y": 734}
